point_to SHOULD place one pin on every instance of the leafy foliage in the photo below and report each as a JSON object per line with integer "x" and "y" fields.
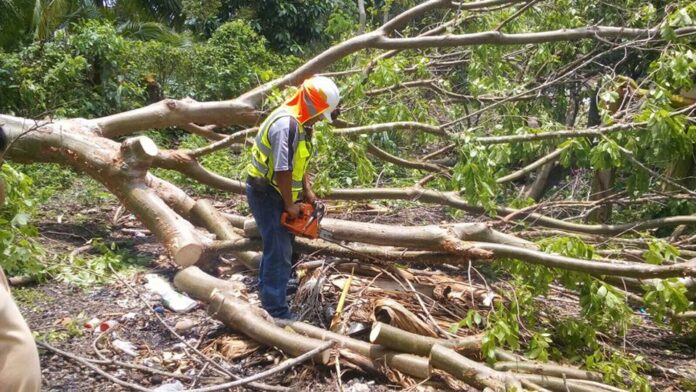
{"x": 19, "y": 252}
{"x": 95, "y": 71}
{"x": 90, "y": 271}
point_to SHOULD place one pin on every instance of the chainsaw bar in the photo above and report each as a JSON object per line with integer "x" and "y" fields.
{"x": 328, "y": 236}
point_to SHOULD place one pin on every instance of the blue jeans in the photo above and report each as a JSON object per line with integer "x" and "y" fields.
{"x": 266, "y": 205}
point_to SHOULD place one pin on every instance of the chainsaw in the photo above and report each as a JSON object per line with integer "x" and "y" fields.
{"x": 307, "y": 222}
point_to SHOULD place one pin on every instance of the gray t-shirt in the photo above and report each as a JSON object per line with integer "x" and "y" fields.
{"x": 284, "y": 137}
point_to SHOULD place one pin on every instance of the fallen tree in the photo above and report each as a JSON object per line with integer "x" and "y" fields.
{"x": 463, "y": 122}
{"x": 390, "y": 346}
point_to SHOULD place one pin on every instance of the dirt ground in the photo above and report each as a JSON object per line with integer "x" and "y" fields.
{"x": 56, "y": 312}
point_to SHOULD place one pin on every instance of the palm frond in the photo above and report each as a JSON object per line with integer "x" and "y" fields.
{"x": 9, "y": 7}
{"x": 151, "y": 31}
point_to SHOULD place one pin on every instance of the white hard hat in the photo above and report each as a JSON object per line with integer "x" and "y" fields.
{"x": 330, "y": 90}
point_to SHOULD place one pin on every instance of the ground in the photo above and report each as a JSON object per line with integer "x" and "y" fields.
{"x": 56, "y": 311}
{"x": 57, "y": 308}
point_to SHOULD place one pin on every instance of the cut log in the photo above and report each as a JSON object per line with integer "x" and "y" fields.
{"x": 121, "y": 168}
{"x": 242, "y": 317}
{"x": 399, "y": 340}
{"x": 201, "y": 286}
{"x": 547, "y": 369}
{"x": 558, "y": 384}
{"x": 411, "y": 365}
{"x": 138, "y": 154}
{"x": 178, "y": 235}
{"x": 214, "y": 221}
{"x": 472, "y": 372}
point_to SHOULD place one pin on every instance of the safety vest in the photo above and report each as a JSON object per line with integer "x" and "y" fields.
{"x": 262, "y": 165}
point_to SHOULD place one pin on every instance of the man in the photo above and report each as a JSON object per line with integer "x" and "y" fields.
{"x": 19, "y": 360}
{"x": 277, "y": 179}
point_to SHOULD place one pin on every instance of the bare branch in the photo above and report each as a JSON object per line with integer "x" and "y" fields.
{"x": 227, "y": 141}
{"x": 452, "y": 199}
{"x": 455, "y": 97}
{"x": 362, "y": 16}
{"x": 498, "y": 38}
{"x": 532, "y": 166}
{"x": 564, "y": 134}
{"x": 409, "y": 125}
{"x": 206, "y": 131}
{"x": 632, "y": 270}
{"x": 516, "y": 14}
{"x": 180, "y": 113}
{"x": 379, "y": 153}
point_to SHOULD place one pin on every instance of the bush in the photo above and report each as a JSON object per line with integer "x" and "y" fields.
{"x": 19, "y": 253}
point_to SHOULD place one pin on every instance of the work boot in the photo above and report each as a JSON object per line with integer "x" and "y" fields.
{"x": 293, "y": 285}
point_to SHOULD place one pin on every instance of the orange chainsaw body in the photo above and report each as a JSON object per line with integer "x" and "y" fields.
{"x": 307, "y": 222}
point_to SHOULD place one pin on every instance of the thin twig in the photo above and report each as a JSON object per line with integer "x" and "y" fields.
{"x": 186, "y": 343}
{"x": 258, "y": 376}
{"x": 516, "y": 14}
{"x": 86, "y": 363}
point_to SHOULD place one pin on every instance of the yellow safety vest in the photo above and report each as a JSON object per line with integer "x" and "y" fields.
{"x": 261, "y": 165}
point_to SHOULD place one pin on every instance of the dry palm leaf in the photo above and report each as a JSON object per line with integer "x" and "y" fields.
{"x": 391, "y": 312}
{"x": 232, "y": 346}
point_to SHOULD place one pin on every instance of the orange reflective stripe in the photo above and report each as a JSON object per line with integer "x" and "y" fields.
{"x": 306, "y": 103}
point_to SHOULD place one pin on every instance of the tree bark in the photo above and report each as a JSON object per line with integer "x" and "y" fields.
{"x": 121, "y": 168}
{"x": 538, "y": 187}
{"x": 170, "y": 113}
{"x": 420, "y": 237}
{"x": 362, "y": 16}
{"x": 562, "y": 385}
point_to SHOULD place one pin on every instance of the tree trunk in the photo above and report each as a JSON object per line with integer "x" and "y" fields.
{"x": 121, "y": 168}
{"x": 602, "y": 180}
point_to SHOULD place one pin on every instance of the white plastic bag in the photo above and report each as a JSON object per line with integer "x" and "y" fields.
{"x": 175, "y": 301}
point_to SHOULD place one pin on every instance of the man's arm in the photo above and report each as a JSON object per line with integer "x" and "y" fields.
{"x": 284, "y": 180}
{"x": 282, "y": 135}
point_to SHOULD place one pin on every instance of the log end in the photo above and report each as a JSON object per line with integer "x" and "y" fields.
{"x": 374, "y": 334}
{"x": 148, "y": 147}
{"x": 251, "y": 230}
{"x": 140, "y": 147}
{"x": 188, "y": 254}
{"x": 323, "y": 357}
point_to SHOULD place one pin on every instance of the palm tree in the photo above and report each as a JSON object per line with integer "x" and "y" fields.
{"x": 24, "y": 20}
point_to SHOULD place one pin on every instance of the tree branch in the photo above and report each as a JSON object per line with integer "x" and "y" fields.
{"x": 429, "y": 167}
{"x": 498, "y": 38}
{"x": 181, "y": 113}
{"x": 532, "y": 166}
{"x": 564, "y": 134}
{"x": 408, "y": 125}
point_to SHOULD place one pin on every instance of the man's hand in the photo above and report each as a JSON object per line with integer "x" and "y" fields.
{"x": 293, "y": 211}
